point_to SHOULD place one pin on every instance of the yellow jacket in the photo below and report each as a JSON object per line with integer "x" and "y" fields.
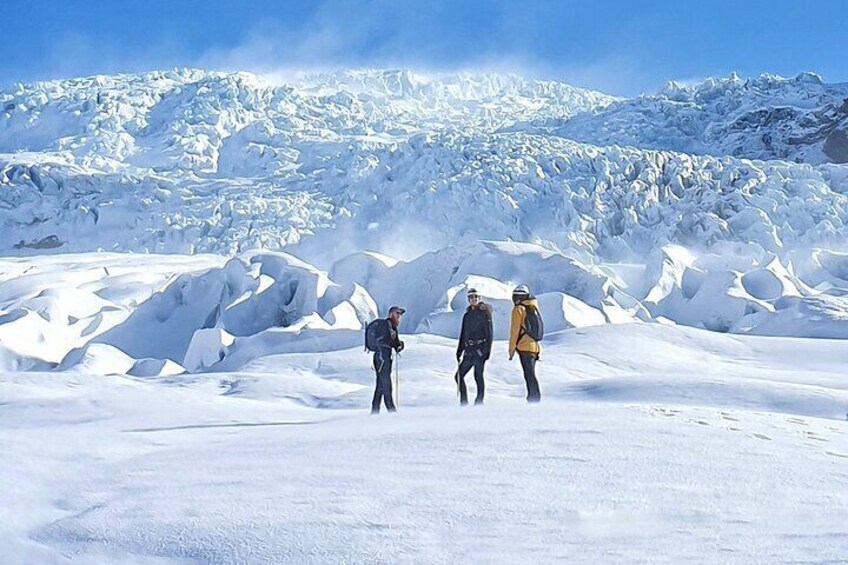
{"x": 526, "y": 343}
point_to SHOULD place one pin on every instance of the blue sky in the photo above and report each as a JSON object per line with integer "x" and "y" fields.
{"x": 613, "y": 45}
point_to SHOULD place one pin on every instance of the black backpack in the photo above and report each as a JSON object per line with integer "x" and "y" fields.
{"x": 372, "y": 335}
{"x": 534, "y": 326}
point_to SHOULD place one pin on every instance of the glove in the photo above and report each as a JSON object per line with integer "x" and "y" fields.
{"x": 400, "y": 346}
{"x": 511, "y": 355}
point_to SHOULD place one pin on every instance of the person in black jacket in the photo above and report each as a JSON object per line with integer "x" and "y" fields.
{"x": 475, "y": 345}
{"x": 387, "y": 341}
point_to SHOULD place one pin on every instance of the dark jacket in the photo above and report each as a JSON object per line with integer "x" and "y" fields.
{"x": 387, "y": 336}
{"x": 476, "y": 330}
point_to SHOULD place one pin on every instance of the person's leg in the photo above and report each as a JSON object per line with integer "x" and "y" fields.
{"x": 535, "y": 395}
{"x": 523, "y": 358}
{"x": 528, "y": 365}
{"x": 479, "y": 367}
{"x": 464, "y": 366}
{"x": 386, "y": 379}
{"x": 378, "y": 385}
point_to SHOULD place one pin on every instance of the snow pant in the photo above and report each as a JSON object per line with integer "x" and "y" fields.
{"x": 383, "y": 388}
{"x": 528, "y": 365}
{"x": 470, "y": 360}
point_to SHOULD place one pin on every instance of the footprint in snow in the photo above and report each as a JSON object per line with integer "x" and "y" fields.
{"x": 834, "y": 454}
{"x": 762, "y": 436}
{"x": 701, "y": 422}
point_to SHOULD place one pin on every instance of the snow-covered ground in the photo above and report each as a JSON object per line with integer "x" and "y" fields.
{"x": 653, "y": 444}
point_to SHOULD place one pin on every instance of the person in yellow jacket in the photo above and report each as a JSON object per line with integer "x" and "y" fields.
{"x": 520, "y": 341}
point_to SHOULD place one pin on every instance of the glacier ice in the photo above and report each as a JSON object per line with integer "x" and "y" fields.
{"x": 292, "y": 210}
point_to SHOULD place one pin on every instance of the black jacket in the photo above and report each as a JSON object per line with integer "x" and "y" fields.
{"x": 476, "y": 333}
{"x": 387, "y": 336}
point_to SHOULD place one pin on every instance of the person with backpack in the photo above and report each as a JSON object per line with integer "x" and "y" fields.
{"x": 475, "y": 345}
{"x": 381, "y": 338}
{"x": 526, "y": 331}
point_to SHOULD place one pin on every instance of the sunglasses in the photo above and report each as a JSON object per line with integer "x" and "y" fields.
{"x": 473, "y": 297}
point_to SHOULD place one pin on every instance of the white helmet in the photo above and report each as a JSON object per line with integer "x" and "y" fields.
{"x": 521, "y": 290}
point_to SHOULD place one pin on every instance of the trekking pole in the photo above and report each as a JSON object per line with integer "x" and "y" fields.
{"x": 397, "y": 381}
{"x": 456, "y": 377}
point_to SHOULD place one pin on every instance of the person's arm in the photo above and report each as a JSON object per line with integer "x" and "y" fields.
{"x": 514, "y": 329}
{"x": 394, "y": 335}
{"x": 460, "y": 347}
{"x": 489, "y": 334}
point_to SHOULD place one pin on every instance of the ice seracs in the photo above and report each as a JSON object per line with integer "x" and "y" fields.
{"x": 191, "y": 161}
{"x": 799, "y": 119}
{"x": 151, "y": 315}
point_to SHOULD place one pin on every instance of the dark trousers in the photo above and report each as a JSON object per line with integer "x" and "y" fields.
{"x": 470, "y": 360}
{"x": 528, "y": 365}
{"x": 383, "y": 388}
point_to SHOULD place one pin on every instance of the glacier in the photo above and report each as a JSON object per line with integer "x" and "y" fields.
{"x": 188, "y": 258}
{"x": 800, "y": 119}
{"x": 193, "y": 162}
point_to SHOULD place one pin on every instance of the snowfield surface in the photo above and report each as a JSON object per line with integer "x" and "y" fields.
{"x": 652, "y": 444}
{"x": 188, "y": 260}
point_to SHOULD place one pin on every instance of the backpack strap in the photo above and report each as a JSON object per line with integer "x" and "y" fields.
{"x": 522, "y": 331}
